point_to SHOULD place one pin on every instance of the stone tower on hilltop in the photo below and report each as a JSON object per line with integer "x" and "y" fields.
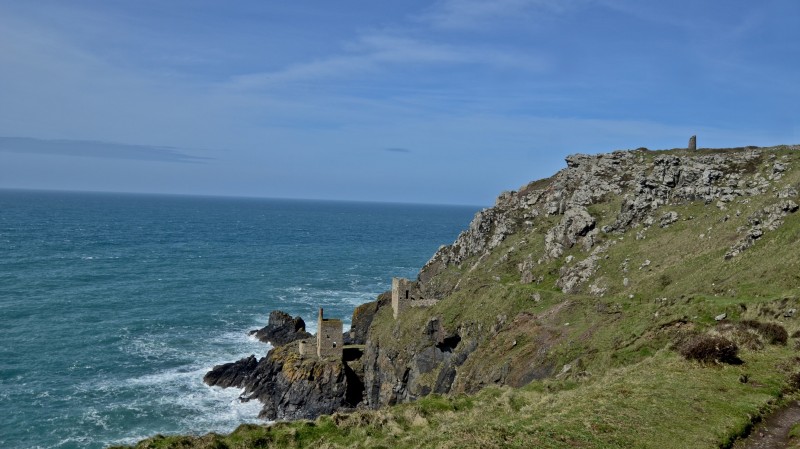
{"x": 329, "y": 337}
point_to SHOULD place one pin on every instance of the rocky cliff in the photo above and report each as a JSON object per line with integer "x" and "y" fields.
{"x": 570, "y": 233}
{"x": 289, "y": 385}
{"x": 620, "y": 225}
{"x": 606, "y": 290}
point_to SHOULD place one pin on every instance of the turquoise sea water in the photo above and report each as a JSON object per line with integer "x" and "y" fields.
{"x": 112, "y": 307}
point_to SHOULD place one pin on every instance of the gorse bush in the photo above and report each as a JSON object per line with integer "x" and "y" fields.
{"x": 773, "y": 333}
{"x": 710, "y": 348}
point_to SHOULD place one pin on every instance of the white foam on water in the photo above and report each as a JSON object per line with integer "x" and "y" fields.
{"x": 73, "y": 441}
{"x": 175, "y": 400}
{"x": 94, "y": 417}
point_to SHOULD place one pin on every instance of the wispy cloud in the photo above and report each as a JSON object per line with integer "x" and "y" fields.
{"x": 381, "y": 50}
{"x": 97, "y": 149}
{"x": 482, "y": 14}
{"x": 398, "y": 150}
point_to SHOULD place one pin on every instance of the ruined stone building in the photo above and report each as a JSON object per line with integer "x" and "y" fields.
{"x": 406, "y": 293}
{"x": 329, "y": 337}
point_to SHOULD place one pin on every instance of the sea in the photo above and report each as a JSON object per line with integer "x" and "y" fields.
{"x": 114, "y": 306}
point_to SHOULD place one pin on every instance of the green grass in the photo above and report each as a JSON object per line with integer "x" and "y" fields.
{"x": 625, "y": 386}
{"x": 662, "y": 401}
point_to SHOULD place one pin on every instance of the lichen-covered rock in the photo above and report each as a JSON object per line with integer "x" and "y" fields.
{"x": 428, "y": 365}
{"x": 769, "y": 218}
{"x": 525, "y": 270}
{"x": 291, "y": 386}
{"x": 643, "y": 182}
{"x": 573, "y": 276}
{"x": 363, "y": 316}
{"x": 668, "y": 218}
{"x": 575, "y": 224}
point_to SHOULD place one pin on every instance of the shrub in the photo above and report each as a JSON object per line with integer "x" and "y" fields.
{"x": 710, "y": 348}
{"x": 794, "y": 381}
{"x": 773, "y": 333}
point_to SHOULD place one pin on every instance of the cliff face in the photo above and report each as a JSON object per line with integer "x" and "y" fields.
{"x": 537, "y": 285}
{"x": 645, "y": 183}
{"x": 291, "y": 386}
{"x": 575, "y": 233}
{"x": 594, "y": 281}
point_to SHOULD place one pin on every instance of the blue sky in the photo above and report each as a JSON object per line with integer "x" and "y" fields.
{"x": 439, "y": 101}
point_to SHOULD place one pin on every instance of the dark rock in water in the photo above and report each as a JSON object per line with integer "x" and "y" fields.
{"x": 295, "y": 386}
{"x": 292, "y": 386}
{"x": 282, "y": 329}
{"x": 233, "y": 374}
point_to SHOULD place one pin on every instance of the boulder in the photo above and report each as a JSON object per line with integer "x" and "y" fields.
{"x": 282, "y": 329}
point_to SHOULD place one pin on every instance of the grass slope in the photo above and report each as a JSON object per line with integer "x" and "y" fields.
{"x": 616, "y": 379}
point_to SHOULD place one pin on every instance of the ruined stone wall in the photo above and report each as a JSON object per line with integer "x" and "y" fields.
{"x": 406, "y": 293}
{"x": 329, "y": 339}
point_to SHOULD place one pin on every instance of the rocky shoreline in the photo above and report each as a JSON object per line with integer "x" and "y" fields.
{"x": 587, "y": 281}
{"x": 292, "y": 385}
{"x": 403, "y": 359}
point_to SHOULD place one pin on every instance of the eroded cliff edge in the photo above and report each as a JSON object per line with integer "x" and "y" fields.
{"x": 505, "y": 296}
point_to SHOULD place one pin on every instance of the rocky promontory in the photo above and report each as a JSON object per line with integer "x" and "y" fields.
{"x": 580, "y": 232}
{"x": 293, "y": 381}
{"x": 585, "y": 288}
{"x": 291, "y": 386}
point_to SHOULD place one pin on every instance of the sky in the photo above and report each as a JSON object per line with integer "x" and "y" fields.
{"x": 438, "y": 101}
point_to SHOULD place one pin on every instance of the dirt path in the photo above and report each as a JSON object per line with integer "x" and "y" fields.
{"x": 773, "y": 432}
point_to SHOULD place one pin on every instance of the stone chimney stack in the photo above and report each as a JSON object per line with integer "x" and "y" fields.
{"x": 692, "y": 143}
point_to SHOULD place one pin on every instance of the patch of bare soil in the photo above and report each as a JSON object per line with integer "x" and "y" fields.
{"x": 773, "y": 432}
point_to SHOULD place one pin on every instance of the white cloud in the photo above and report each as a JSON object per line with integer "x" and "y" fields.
{"x": 480, "y": 14}
{"x": 376, "y": 51}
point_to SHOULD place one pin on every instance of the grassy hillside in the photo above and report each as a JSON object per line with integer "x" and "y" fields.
{"x": 600, "y": 366}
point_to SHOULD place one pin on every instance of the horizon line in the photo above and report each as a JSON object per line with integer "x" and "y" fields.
{"x": 244, "y": 197}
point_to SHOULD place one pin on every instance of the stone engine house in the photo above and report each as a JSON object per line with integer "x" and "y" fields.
{"x": 329, "y": 338}
{"x": 406, "y": 293}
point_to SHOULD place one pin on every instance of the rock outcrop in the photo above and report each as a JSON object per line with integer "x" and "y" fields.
{"x": 567, "y": 219}
{"x": 767, "y": 219}
{"x": 393, "y": 376}
{"x": 644, "y": 181}
{"x": 282, "y": 329}
{"x": 234, "y": 374}
{"x": 560, "y": 233}
{"x": 362, "y": 319}
{"x": 291, "y": 386}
